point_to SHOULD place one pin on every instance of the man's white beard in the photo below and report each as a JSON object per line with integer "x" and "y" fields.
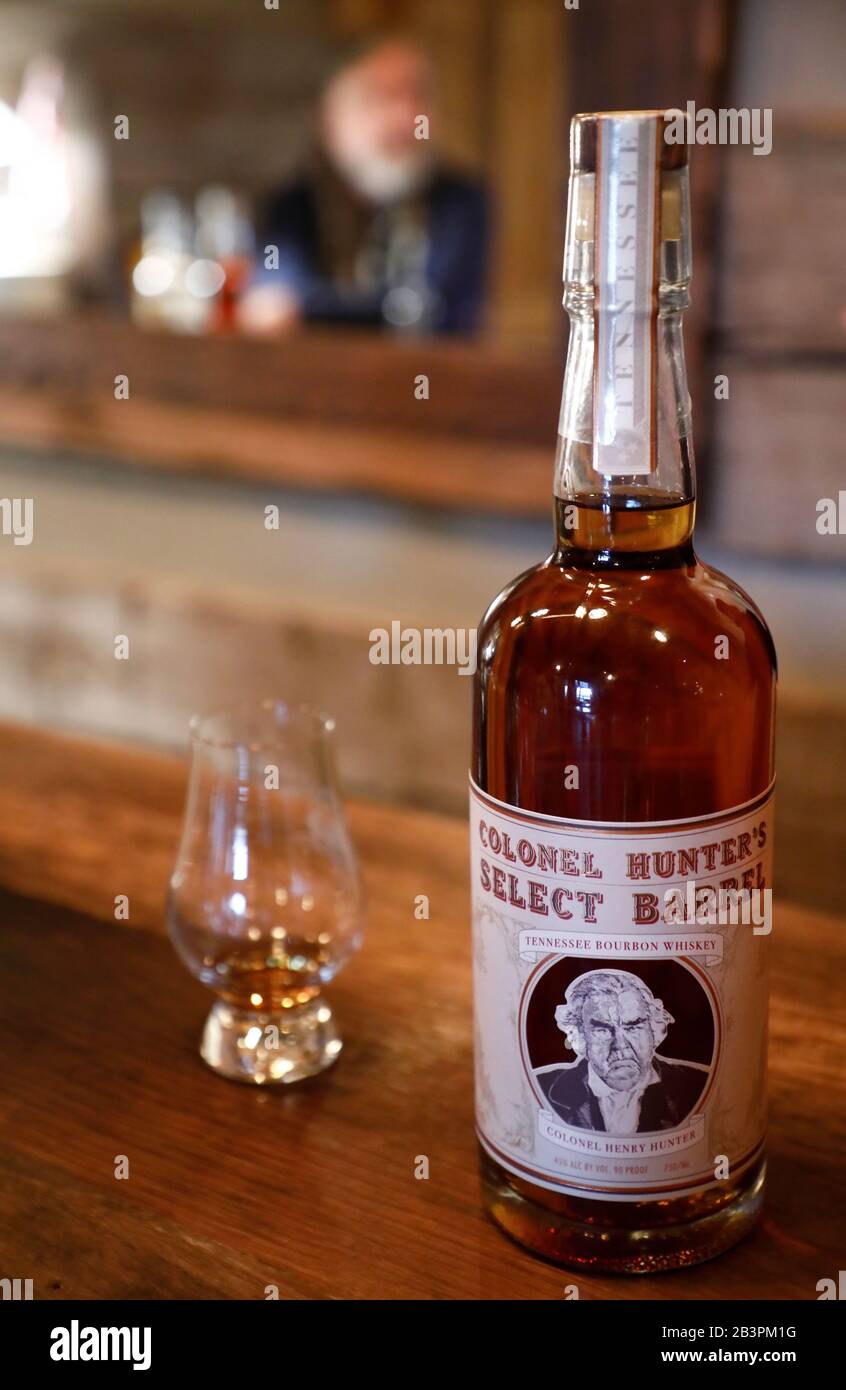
{"x": 382, "y": 179}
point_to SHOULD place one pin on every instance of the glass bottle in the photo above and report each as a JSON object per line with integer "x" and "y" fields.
{"x": 624, "y": 707}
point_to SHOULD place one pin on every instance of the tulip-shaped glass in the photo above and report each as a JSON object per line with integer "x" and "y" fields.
{"x": 265, "y": 903}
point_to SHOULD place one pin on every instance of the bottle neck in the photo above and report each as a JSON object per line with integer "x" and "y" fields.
{"x": 619, "y": 519}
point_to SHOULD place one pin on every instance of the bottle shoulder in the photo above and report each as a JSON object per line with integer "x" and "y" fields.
{"x": 656, "y": 685}
{"x": 721, "y": 588}
{"x": 516, "y": 597}
{"x": 568, "y": 611}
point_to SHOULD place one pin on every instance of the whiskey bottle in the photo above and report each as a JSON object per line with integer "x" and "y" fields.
{"x": 621, "y": 787}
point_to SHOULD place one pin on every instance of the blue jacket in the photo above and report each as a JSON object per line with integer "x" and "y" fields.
{"x": 458, "y": 235}
{"x": 665, "y": 1104}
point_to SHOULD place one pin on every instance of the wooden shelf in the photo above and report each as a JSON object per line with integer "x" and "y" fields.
{"x": 380, "y": 460}
{"x": 315, "y": 410}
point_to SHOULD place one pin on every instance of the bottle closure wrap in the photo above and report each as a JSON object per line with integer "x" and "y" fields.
{"x": 621, "y": 998}
{"x": 627, "y": 241}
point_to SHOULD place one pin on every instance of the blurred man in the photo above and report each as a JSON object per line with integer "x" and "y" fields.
{"x": 377, "y": 232}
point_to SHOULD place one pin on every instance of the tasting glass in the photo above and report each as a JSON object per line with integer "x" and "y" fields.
{"x": 265, "y": 903}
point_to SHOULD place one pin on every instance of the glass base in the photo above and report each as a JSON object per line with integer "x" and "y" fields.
{"x": 657, "y": 1244}
{"x": 268, "y": 1049}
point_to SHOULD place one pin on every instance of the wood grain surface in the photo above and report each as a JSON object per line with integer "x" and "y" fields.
{"x": 383, "y": 461}
{"x": 477, "y": 388}
{"x": 311, "y": 1190}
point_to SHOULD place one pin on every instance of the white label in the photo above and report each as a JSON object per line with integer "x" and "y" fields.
{"x": 620, "y": 986}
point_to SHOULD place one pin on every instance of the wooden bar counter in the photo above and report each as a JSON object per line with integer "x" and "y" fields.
{"x": 312, "y": 1190}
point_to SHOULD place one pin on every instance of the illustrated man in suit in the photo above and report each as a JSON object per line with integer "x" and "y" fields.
{"x": 619, "y": 1083}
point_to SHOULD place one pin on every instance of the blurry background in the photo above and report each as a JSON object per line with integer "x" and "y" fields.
{"x": 152, "y": 150}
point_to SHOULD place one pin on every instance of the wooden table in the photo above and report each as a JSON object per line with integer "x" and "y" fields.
{"x": 312, "y": 1190}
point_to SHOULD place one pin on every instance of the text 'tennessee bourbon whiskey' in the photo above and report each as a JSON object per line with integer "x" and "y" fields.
{"x": 621, "y": 811}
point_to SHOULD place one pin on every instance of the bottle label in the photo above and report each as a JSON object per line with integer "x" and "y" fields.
{"x": 620, "y": 985}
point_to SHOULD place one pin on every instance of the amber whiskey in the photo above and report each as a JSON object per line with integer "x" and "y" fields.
{"x": 621, "y": 788}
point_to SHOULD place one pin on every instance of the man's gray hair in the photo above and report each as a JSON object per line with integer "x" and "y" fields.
{"x": 568, "y": 1016}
